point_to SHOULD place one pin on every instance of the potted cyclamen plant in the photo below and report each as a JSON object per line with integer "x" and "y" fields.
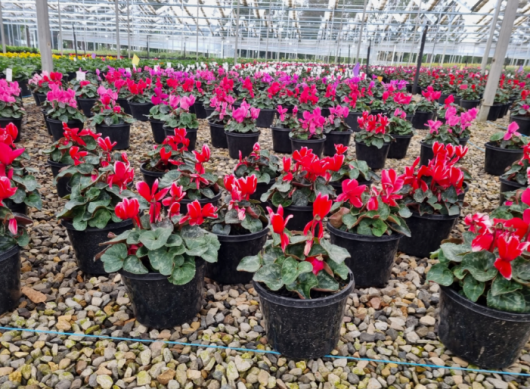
{"x": 401, "y": 130}
{"x": 373, "y": 142}
{"x": 260, "y": 99}
{"x": 336, "y": 129}
{"x": 21, "y": 177}
{"x": 217, "y": 120}
{"x": 433, "y": 194}
{"x": 438, "y": 133}
{"x": 73, "y": 142}
{"x": 448, "y": 104}
{"x": 88, "y": 215}
{"x": 241, "y": 228}
{"x": 241, "y": 131}
{"x": 302, "y": 178}
{"x": 198, "y": 183}
{"x": 469, "y": 96}
{"x": 12, "y": 236}
{"x": 426, "y": 108}
{"x": 503, "y": 149}
{"x": 342, "y": 168}
{"x": 520, "y": 112}
{"x": 40, "y": 85}
{"x": 161, "y": 260}
{"x": 303, "y": 285}
{"x": 403, "y": 102}
{"x": 484, "y": 283}
{"x": 262, "y": 164}
{"x": 282, "y": 126}
{"x": 110, "y": 120}
{"x": 356, "y": 106}
{"x": 158, "y": 110}
{"x": 165, "y": 157}
{"x": 86, "y": 92}
{"x": 61, "y": 107}
{"x": 11, "y": 106}
{"x": 310, "y": 132}
{"x": 517, "y": 176}
{"x": 177, "y": 115}
{"x": 139, "y": 98}
{"x": 369, "y": 224}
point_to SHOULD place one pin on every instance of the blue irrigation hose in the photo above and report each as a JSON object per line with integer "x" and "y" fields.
{"x": 261, "y": 351}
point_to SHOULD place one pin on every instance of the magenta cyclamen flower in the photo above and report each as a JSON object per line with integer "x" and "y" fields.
{"x": 241, "y": 113}
{"x": 8, "y": 91}
{"x": 434, "y": 126}
{"x": 512, "y": 131}
{"x": 281, "y": 111}
{"x": 340, "y": 112}
{"x": 400, "y": 113}
{"x": 186, "y": 102}
{"x": 58, "y": 95}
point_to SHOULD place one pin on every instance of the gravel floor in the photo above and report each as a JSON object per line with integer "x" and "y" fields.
{"x": 398, "y": 321}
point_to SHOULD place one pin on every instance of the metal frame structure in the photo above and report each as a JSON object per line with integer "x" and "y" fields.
{"x": 322, "y": 29}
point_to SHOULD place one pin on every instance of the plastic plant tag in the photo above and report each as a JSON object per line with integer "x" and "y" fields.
{"x": 9, "y": 74}
{"x": 168, "y": 65}
{"x": 80, "y": 76}
{"x": 135, "y": 60}
{"x": 128, "y": 70}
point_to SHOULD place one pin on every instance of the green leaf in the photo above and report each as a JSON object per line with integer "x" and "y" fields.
{"x": 303, "y": 285}
{"x": 326, "y": 282}
{"x": 212, "y": 245}
{"x": 521, "y": 270}
{"x": 339, "y": 269}
{"x": 271, "y": 275}
{"x": 114, "y": 257}
{"x": 289, "y": 270}
{"x": 133, "y": 237}
{"x": 133, "y": 265}
{"x": 454, "y": 252}
{"x": 154, "y": 239}
{"x": 349, "y": 220}
{"x": 252, "y": 224}
{"x": 509, "y": 302}
{"x": 501, "y": 285}
{"x": 183, "y": 274}
{"x": 174, "y": 240}
{"x": 33, "y": 200}
{"x": 440, "y": 274}
{"x": 250, "y": 264}
{"x": 405, "y": 212}
{"x": 335, "y": 253}
{"x": 473, "y": 289}
{"x": 379, "y": 227}
{"x": 480, "y": 265}
{"x": 100, "y": 218}
{"x": 122, "y": 237}
{"x": 161, "y": 260}
{"x": 231, "y": 217}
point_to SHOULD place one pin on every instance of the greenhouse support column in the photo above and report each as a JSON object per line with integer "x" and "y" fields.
{"x": 128, "y": 30}
{"x": 197, "y": 33}
{"x": 361, "y": 31}
{"x": 2, "y": 28}
{"x": 45, "y": 39}
{"x": 498, "y": 59}
{"x": 237, "y": 33}
{"x": 490, "y": 38}
{"x": 118, "y": 46}
{"x": 60, "y": 42}
{"x": 420, "y": 57}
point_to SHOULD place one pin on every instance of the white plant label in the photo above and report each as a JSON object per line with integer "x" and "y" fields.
{"x": 9, "y": 74}
{"x": 81, "y": 76}
{"x": 168, "y": 65}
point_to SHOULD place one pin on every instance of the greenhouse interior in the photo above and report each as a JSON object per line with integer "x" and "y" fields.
{"x": 243, "y": 194}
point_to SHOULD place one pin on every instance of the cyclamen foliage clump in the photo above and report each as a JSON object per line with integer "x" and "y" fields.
{"x": 260, "y": 163}
{"x": 509, "y": 139}
{"x": 161, "y": 241}
{"x": 522, "y": 106}
{"x": 300, "y": 263}
{"x": 373, "y": 130}
{"x": 243, "y": 119}
{"x": 41, "y": 83}
{"x": 169, "y": 155}
{"x": 434, "y": 188}
{"x": 519, "y": 171}
{"x": 10, "y": 102}
{"x": 12, "y": 227}
{"x": 284, "y": 119}
{"x": 342, "y": 167}
{"x": 74, "y": 141}
{"x": 490, "y": 264}
{"x": 107, "y": 111}
{"x": 372, "y": 212}
{"x": 61, "y": 105}
{"x": 336, "y": 120}
{"x": 311, "y": 126}
{"x": 398, "y": 125}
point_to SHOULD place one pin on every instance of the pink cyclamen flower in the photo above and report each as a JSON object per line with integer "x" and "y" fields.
{"x": 512, "y": 131}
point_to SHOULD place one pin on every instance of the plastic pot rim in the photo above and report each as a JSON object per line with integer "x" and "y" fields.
{"x": 488, "y": 145}
{"x": 114, "y": 125}
{"x": 363, "y": 238}
{"x": 222, "y": 126}
{"x": 9, "y": 252}
{"x": 155, "y": 276}
{"x": 466, "y": 101}
{"x": 133, "y": 103}
{"x": 385, "y": 144}
{"x": 243, "y": 237}
{"x": 281, "y": 129}
{"x": 150, "y": 172}
{"x": 513, "y": 183}
{"x": 309, "y": 140}
{"x": 482, "y": 309}
{"x": 56, "y": 164}
{"x": 520, "y": 117}
{"x": 70, "y": 226}
{"x": 265, "y": 294}
{"x": 396, "y": 136}
{"x": 87, "y": 98}
{"x": 347, "y": 132}
{"x": 58, "y": 121}
{"x": 242, "y": 134}
{"x": 432, "y": 216}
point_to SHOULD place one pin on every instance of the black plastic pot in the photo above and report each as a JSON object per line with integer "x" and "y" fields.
{"x": 191, "y": 134}
{"x": 281, "y": 143}
{"x": 233, "y": 249}
{"x": 18, "y": 124}
{"x": 469, "y": 104}
{"x": 507, "y": 186}
{"x": 208, "y": 111}
{"x": 199, "y": 109}
{"x": 337, "y": 185}
{"x": 371, "y": 258}
{"x": 301, "y": 216}
{"x": 398, "y": 149}
{"x": 303, "y": 329}
{"x": 498, "y": 160}
{"x": 124, "y": 103}
{"x": 62, "y": 182}
{"x": 351, "y": 120}
{"x": 376, "y": 111}
{"x": 149, "y": 176}
{"x": 157, "y": 303}
{"x": 56, "y": 127}
{"x": 139, "y": 111}
{"x": 24, "y": 90}
{"x": 265, "y": 118}
{"x": 334, "y": 138}
{"x": 86, "y": 244}
{"x": 374, "y": 157}
{"x": 317, "y": 145}
{"x": 9, "y": 279}
{"x": 40, "y": 98}
{"x": 86, "y": 106}
{"x": 485, "y": 337}
{"x": 523, "y": 122}
{"x": 120, "y": 133}
{"x": 214, "y": 201}
{"x": 46, "y": 121}
{"x": 157, "y": 127}
{"x": 495, "y": 112}
{"x": 261, "y": 188}
{"x": 420, "y": 119}
{"x": 21, "y": 208}
{"x": 241, "y": 143}
{"x": 427, "y": 232}
{"x": 505, "y": 109}
{"x": 218, "y": 136}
